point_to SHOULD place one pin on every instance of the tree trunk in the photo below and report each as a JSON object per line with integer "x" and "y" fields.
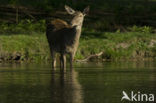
{"x": 17, "y": 15}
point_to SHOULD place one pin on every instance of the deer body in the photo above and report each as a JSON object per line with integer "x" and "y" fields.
{"x": 64, "y": 38}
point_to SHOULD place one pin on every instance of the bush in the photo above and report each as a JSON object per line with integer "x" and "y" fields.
{"x": 144, "y": 29}
{"x": 24, "y": 26}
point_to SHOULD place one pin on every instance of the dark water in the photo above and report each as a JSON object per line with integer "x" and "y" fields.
{"x": 86, "y": 83}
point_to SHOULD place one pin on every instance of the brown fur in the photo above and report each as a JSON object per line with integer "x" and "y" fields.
{"x": 64, "y": 38}
{"x": 60, "y": 36}
{"x": 60, "y": 24}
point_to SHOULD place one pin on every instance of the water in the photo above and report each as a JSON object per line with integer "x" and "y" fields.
{"x": 86, "y": 83}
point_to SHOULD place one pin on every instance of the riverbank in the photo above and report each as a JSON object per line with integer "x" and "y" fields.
{"x": 115, "y": 46}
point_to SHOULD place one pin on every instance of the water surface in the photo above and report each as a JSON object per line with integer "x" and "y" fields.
{"x": 86, "y": 83}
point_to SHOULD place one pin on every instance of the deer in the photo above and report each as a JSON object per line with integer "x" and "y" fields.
{"x": 63, "y": 38}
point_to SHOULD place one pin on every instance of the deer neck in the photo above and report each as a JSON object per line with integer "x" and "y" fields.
{"x": 78, "y": 25}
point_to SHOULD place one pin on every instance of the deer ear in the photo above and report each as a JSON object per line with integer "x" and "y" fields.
{"x": 86, "y": 10}
{"x": 69, "y": 10}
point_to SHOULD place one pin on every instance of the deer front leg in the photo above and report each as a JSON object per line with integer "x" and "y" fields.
{"x": 53, "y": 59}
{"x": 63, "y": 61}
{"x": 71, "y": 60}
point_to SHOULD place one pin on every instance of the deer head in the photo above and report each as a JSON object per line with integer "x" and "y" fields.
{"x": 78, "y": 15}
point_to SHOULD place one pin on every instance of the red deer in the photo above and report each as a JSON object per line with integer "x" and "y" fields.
{"x": 63, "y": 38}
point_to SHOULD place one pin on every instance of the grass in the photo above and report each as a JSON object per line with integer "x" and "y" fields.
{"x": 24, "y": 47}
{"x": 116, "y": 46}
{"x": 119, "y": 45}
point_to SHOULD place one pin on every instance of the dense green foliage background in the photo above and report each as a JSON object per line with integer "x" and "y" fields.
{"x": 105, "y": 15}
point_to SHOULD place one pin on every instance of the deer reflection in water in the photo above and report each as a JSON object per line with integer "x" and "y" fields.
{"x": 65, "y": 87}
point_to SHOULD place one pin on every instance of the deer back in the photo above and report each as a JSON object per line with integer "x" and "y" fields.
{"x": 60, "y": 35}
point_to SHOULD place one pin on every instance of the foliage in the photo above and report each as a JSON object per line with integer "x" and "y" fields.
{"x": 144, "y": 29}
{"x": 105, "y": 15}
{"x": 116, "y": 46}
{"x": 26, "y": 26}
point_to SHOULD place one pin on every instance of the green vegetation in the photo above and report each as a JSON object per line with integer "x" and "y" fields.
{"x": 129, "y": 45}
{"x": 26, "y": 26}
{"x": 23, "y": 47}
{"x": 104, "y": 15}
{"x": 116, "y": 46}
{"x": 122, "y": 29}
